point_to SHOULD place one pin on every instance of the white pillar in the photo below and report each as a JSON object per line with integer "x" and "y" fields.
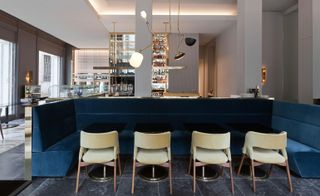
{"x": 316, "y": 48}
{"x": 249, "y": 44}
{"x": 305, "y": 50}
{"x": 143, "y": 74}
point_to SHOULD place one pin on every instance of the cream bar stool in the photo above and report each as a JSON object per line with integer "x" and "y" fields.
{"x": 263, "y": 148}
{"x": 99, "y": 148}
{"x": 152, "y": 149}
{"x": 210, "y": 149}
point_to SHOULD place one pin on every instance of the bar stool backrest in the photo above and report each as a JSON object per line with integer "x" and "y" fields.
{"x": 152, "y": 140}
{"x": 211, "y": 141}
{"x": 99, "y": 140}
{"x": 272, "y": 141}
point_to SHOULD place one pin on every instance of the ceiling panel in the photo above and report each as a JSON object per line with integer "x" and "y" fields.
{"x": 73, "y": 21}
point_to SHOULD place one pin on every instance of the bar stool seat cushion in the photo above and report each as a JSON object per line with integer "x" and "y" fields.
{"x": 267, "y": 156}
{"x": 98, "y": 155}
{"x": 152, "y": 157}
{"x": 211, "y": 156}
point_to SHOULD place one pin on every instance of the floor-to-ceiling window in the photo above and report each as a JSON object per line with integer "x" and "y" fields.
{"x": 7, "y": 76}
{"x": 50, "y": 74}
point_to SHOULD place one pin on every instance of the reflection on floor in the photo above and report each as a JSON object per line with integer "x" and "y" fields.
{"x": 276, "y": 184}
{"x": 12, "y": 137}
{"x": 12, "y": 164}
{"x": 12, "y": 152}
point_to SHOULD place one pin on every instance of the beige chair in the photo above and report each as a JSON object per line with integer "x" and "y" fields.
{"x": 99, "y": 148}
{"x": 210, "y": 149}
{"x": 263, "y": 148}
{"x": 152, "y": 149}
{"x": 1, "y": 124}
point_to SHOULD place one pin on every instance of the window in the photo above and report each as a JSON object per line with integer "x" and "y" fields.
{"x": 50, "y": 74}
{"x": 7, "y": 76}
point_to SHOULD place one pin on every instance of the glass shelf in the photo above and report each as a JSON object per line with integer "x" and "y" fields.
{"x": 160, "y": 76}
{"x": 122, "y": 46}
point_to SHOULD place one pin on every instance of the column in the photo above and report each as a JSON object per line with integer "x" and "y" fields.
{"x": 305, "y": 52}
{"x": 316, "y": 48}
{"x": 143, "y": 74}
{"x": 249, "y": 44}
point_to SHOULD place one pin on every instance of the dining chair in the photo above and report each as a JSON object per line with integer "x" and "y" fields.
{"x": 210, "y": 149}
{"x": 99, "y": 148}
{"x": 152, "y": 149}
{"x": 263, "y": 148}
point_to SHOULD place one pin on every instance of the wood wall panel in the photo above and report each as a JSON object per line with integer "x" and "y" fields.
{"x": 29, "y": 40}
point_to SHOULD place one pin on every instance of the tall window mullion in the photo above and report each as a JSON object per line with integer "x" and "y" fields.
{"x": 7, "y": 76}
{"x": 49, "y": 74}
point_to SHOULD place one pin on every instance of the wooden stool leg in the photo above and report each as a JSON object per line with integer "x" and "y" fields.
{"x": 194, "y": 176}
{"x": 270, "y": 170}
{"x": 289, "y": 176}
{"x": 231, "y": 177}
{"x": 170, "y": 177}
{"x": 253, "y": 176}
{"x": 119, "y": 165}
{"x": 115, "y": 175}
{"x": 190, "y": 163}
{"x": 78, "y": 176}
{"x": 133, "y": 175}
{"x": 221, "y": 173}
{"x": 241, "y": 163}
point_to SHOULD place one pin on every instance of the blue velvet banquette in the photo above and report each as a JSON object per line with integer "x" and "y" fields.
{"x": 56, "y": 126}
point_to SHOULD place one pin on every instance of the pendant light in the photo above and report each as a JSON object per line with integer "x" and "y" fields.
{"x": 137, "y": 57}
{"x": 190, "y": 41}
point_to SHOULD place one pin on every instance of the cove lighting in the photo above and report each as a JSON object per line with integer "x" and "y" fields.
{"x": 132, "y": 13}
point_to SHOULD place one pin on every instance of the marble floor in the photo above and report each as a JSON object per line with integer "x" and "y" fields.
{"x": 12, "y": 152}
{"x": 275, "y": 185}
{"x": 13, "y": 136}
{"x": 12, "y": 164}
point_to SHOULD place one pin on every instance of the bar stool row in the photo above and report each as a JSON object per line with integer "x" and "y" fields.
{"x": 154, "y": 149}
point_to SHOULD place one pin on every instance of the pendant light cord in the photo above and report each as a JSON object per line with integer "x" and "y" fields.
{"x": 178, "y": 24}
{"x": 147, "y": 22}
{"x": 180, "y": 35}
{"x": 169, "y": 16}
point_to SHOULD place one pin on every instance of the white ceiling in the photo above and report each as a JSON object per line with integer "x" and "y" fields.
{"x": 201, "y": 16}
{"x": 73, "y": 21}
{"x": 79, "y": 24}
{"x": 188, "y": 24}
{"x": 161, "y": 7}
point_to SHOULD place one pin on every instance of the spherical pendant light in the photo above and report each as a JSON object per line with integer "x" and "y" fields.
{"x": 136, "y": 59}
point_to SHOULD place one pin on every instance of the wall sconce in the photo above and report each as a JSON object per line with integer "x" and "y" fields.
{"x": 263, "y": 74}
{"x": 29, "y": 77}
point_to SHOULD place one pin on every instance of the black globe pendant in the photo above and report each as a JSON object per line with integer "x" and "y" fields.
{"x": 190, "y": 41}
